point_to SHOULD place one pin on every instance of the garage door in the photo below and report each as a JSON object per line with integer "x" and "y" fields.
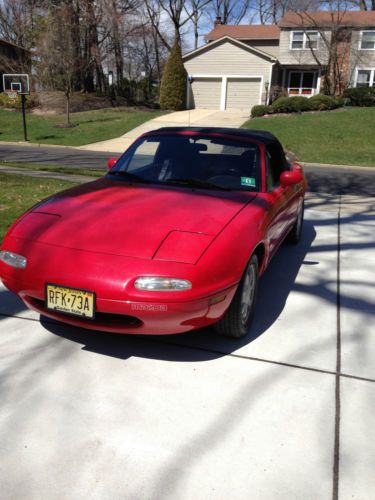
{"x": 242, "y": 93}
{"x": 206, "y": 92}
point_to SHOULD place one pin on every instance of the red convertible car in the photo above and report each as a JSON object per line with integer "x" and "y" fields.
{"x": 172, "y": 239}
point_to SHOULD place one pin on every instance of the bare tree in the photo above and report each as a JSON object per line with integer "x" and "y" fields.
{"x": 363, "y": 4}
{"x": 56, "y": 53}
{"x": 119, "y": 24}
{"x": 229, "y": 11}
{"x": 15, "y": 21}
{"x": 335, "y": 47}
{"x": 179, "y": 13}
{"x": 18, "y": 27}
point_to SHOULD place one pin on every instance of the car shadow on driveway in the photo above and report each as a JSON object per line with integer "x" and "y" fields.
{"x": 204, "y": 344}
{"x": 10, "y": 304}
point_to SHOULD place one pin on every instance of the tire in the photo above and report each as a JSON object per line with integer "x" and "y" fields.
{"x": 237, "y": 319}
{"x": 295, "y": 233}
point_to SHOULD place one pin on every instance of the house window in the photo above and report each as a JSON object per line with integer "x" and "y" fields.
{"x": 302, "y": 83}
{"x": 367, "y": 40}
{"x": 365, "y": 78}
{"x": 302, "y": 40}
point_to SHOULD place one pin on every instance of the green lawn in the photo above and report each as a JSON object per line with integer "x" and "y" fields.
{"x": 18, "y": 193}
{"x": 92, "y": 126}
{"x": 343, "y": 137}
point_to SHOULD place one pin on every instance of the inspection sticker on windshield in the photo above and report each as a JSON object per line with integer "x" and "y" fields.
{"x": 248, "y": 181}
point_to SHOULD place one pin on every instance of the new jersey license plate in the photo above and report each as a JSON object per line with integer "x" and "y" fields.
{"x": 70, "y": 300}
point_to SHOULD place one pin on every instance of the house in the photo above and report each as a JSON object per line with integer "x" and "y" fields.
{"x": 13, "y": 59}
{"x": 241, "y": 66}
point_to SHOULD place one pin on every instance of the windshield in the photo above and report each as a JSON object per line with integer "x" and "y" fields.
{"x": 192, "y": 160}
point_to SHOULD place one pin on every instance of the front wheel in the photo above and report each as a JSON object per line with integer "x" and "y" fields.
{"x": 236, "y": 321}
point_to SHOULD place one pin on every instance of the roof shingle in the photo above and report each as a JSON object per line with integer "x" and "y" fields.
{"x": 245, "y": 32}
{"x": 358, "y": 18}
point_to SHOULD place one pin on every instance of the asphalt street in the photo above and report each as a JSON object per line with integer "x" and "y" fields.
{"x": 333, "y": 180}
{"x": 54, "y": 155}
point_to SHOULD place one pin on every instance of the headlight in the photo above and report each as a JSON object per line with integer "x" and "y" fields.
{"x": 13, "y": 259}
{"x": 162, "y": 284}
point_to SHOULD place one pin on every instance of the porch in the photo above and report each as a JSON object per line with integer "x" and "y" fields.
{"x": 301, "y": 81}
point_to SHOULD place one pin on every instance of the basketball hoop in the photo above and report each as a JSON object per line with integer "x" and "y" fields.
{"x": 12, "y": 94}
{"x": 18, "y": 84}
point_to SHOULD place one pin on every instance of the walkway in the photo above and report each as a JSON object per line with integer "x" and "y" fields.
{"x": 193, "y": 117}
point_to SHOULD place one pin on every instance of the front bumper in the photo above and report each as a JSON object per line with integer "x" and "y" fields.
{"x": 119, "y": 307}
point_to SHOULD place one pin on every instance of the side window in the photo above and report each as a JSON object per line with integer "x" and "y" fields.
{"x": 276, "y": 164}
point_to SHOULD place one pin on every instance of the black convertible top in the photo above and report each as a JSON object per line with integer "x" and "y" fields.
{"x": 258, "y": 135}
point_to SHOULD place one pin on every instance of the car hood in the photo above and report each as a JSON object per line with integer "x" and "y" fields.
{"x": 135, "y": 220}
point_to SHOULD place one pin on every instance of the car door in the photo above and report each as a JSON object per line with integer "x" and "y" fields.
{"x": 280, "y": 198}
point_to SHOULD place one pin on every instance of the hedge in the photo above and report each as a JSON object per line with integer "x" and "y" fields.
{"x": 298, "y": 104}
{"x": 260, "y": 110}
{"x": 360, "y": 96}
{"x": 321, "y": 102}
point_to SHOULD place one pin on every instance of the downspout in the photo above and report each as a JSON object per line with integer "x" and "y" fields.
{"x": 270, "y": 83}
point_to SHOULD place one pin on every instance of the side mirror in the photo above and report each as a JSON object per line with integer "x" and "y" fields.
{"x": 297, "y": 167}
{"x": 111, "y": 162}
{"x": 290, "y": 177}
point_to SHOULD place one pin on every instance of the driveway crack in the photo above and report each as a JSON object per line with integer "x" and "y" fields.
{"x": 336, "y": 452}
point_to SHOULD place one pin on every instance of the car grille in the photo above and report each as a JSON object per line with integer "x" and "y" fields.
{"x": 105, "y": 319}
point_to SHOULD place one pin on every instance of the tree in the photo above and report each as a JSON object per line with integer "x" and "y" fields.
{"x": 334, "y": 39}
{"x": 179, "y": 13}
{"x": 197, "y": 9}
{"x": 57, "y": 64}
{"x": 364, "y": 4}
{"x": 229, "y": 11}
{"x": 173, "y": 83}
{"x": 18, "y": 25}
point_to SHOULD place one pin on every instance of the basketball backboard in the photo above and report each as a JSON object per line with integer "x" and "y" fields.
{"x": 18, "y": 83}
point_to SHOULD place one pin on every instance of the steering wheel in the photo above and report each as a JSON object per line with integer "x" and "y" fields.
{"x": 232, "y": 171}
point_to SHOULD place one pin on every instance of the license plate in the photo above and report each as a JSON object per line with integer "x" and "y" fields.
{"x": 70, "y": 300}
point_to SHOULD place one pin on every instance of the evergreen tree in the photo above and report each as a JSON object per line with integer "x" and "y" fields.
{"x": 173, "y": 82}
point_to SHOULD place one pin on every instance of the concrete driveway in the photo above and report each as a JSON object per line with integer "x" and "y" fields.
{"x": 193, "y": 118}
{"x": 286, "y": 413}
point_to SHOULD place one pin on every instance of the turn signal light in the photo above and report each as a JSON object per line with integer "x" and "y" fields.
{"x": 13, "y": 259}
{"x": 157, "y": 284}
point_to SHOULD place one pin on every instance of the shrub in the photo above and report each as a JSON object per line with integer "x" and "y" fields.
{"x": 276, "y": 91}
{"x": 281, "y": 105}
{"x": 295, "y": 104}
{"x": 32, "y": 101}
{"x": 361, "y": 96}
{"x": 321, "y": 102}
{"x": 173, "y": 82}
{"x": 299, "y": 103}
{"x": 340, "y": 101}
{"x": 260, "y": 110}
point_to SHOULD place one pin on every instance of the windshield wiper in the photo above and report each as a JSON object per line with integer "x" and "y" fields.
{"x": 129, "y": 175}
{"x": 198, "y": 183}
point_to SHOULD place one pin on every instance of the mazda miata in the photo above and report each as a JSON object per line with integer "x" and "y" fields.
{"x": 173, "y": 238}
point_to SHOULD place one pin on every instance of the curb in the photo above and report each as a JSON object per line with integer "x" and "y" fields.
{"x": 36, "y": 145}
{"x": 40, "y": 174}
{"x": 331, "y": 165}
